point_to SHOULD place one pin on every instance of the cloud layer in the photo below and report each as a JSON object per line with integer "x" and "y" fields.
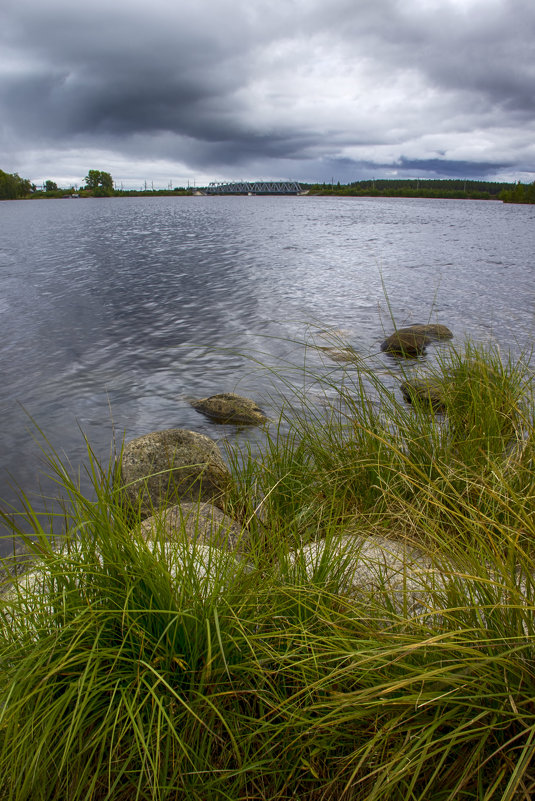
{"x": 301, "y": 89}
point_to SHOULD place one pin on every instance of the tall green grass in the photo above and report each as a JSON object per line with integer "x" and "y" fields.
{"x": 129, "y": 672}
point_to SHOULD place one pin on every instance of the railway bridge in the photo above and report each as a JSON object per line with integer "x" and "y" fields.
{"x": 254, "y": 188}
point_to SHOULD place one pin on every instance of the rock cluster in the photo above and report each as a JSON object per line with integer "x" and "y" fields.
{"x": 177, "y": 483}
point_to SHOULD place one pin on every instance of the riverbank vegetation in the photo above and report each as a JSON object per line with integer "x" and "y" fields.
{"x": 519, "y": 193}
{"x": 101, "y": 184}
{"x": 125, "y": 673}
{"x": 12, "y": 186}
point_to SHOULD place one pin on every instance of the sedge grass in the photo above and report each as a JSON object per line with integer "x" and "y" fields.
{"x": 128, "y": 673}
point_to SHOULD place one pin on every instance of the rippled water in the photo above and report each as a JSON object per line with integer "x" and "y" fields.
{"x": 115, "y": 311}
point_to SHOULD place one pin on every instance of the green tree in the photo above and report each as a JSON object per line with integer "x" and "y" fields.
{"x": 100, "y": 183}
{"x": 51, "y": 186}
{"x": 13, "y": 186}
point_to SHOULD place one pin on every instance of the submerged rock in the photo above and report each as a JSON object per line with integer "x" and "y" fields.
{"x": 428, "y": 391}
{"x": 227, "y": 407}
{"x": 340, "y": 354}
{"x": 203, "y": 523}
{"x": 165, "y": 467}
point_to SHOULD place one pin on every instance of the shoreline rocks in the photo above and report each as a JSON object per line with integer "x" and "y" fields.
{"x": 373, "y": 565}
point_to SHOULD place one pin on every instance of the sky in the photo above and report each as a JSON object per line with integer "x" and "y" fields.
{"x": 177, "y": 93}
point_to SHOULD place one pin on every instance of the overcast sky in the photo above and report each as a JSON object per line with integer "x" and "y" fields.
{"x": 313, "y": 90}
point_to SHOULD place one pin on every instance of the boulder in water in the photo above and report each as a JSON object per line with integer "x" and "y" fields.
{"x": 165, "y": 467}
{"x": 433, "y": 331}
{"x": 406, "y": 343}
{"x": 227, "y": 407}
{"x": 413, "y": 339}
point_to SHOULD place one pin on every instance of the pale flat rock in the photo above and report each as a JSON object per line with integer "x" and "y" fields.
{"x": 340, "y": 354}
{"x": 375, "y": 564}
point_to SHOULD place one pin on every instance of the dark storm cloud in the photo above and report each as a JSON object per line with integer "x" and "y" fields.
{"x": 286, "y": 88}
{"x": 454, "y": 169}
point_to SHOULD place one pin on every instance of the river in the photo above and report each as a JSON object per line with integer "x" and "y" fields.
{"x": 115, "y": 312}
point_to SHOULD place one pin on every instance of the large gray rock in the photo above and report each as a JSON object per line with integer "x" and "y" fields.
{"x": 228, "y": 407}
{"x": 203, "y": 523}
{"x": 166, "y": 467}
{"x": 204, "y": 568}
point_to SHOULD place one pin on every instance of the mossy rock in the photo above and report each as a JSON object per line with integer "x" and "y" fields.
{"x": 203, "y": 523}
{"x": 228, "y": 407}
{"x": 434, "y": 331}
{"x": 166, "y": 467}
{"x": 406, "y": 343}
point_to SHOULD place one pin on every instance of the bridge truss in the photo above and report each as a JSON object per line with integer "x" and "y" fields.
{"x": 254, "y": 188}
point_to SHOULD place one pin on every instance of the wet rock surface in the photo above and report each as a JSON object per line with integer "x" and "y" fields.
{"x": 412, "y": 340}
{"x": 434, "y": 331}
{"x": 340, "y": 354}
{"x": 406, "y": 343}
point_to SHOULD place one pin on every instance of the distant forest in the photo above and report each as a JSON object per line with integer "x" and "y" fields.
{"x": 443, "y": 188}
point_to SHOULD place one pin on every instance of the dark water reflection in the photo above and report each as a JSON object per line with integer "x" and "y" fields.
{"x": 115, "y": 311}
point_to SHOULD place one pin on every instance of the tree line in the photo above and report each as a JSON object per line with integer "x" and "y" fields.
{"x": 430, "y": 188}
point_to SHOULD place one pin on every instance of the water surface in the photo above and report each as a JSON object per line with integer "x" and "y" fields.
{"x": 116, "y": 311}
